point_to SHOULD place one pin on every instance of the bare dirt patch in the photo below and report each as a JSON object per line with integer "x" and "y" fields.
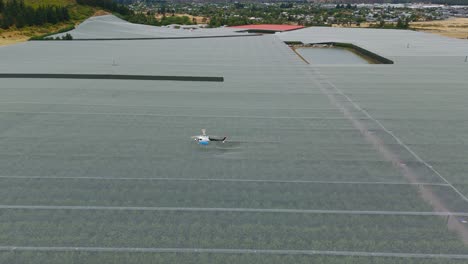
{"x": 425, "y": 192}
{"x": 101, "y": 13}
{"x": 198, "y": 19}
{"x": 12, "y": 37}
{"x": 11, "y": 41}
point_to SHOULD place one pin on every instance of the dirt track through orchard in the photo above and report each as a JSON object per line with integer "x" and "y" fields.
{"x": 425, "y": 191}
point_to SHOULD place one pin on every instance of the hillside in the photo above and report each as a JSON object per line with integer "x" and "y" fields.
{"x": 78, "y": 13}
{"x": 36, "y": 3}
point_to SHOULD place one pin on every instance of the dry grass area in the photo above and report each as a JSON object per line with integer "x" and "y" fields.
{"x": 454, "y": 27}
{"x": 199, "y": 19}
{"x": 12, "y": 38}
{"x": 101, "y": 13}
{"x": 14, "y": 35}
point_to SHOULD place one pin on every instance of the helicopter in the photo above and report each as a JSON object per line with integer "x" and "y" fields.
{"x": 203, "y": 139}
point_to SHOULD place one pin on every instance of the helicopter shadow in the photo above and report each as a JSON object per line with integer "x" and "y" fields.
{"x": 229, "y": 149}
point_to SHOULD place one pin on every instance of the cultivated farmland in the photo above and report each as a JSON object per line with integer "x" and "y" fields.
{"x": 326, "y": 164}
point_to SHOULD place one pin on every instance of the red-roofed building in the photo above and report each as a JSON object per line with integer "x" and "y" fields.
{"x": 268, "y": 27}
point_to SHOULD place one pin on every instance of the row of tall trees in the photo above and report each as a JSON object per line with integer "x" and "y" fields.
{"x": 16, "y": 13}
{"x": 402, "y": 23}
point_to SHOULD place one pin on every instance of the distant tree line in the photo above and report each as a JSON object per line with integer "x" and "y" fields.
{"x": 348, "y": 6}
{"x": 127, "y": 2}
{"x": 286, "y": 5}
{"x": 150, "y": 19}
{"x": 450, "y": 2}
{"x": 108, "y": 5}
{"x": 67, "y": 36}
{"x": 47, "y": 36}
{"x": 130, "y": 16}
{"x": 446, "y": 2}
{"x": 16, "y": 13}
{"x": 220, "y": 20}
{"x": 402, "y": 23}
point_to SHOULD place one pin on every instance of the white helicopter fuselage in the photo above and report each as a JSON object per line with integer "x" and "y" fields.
{"x": 203, "y": 139}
